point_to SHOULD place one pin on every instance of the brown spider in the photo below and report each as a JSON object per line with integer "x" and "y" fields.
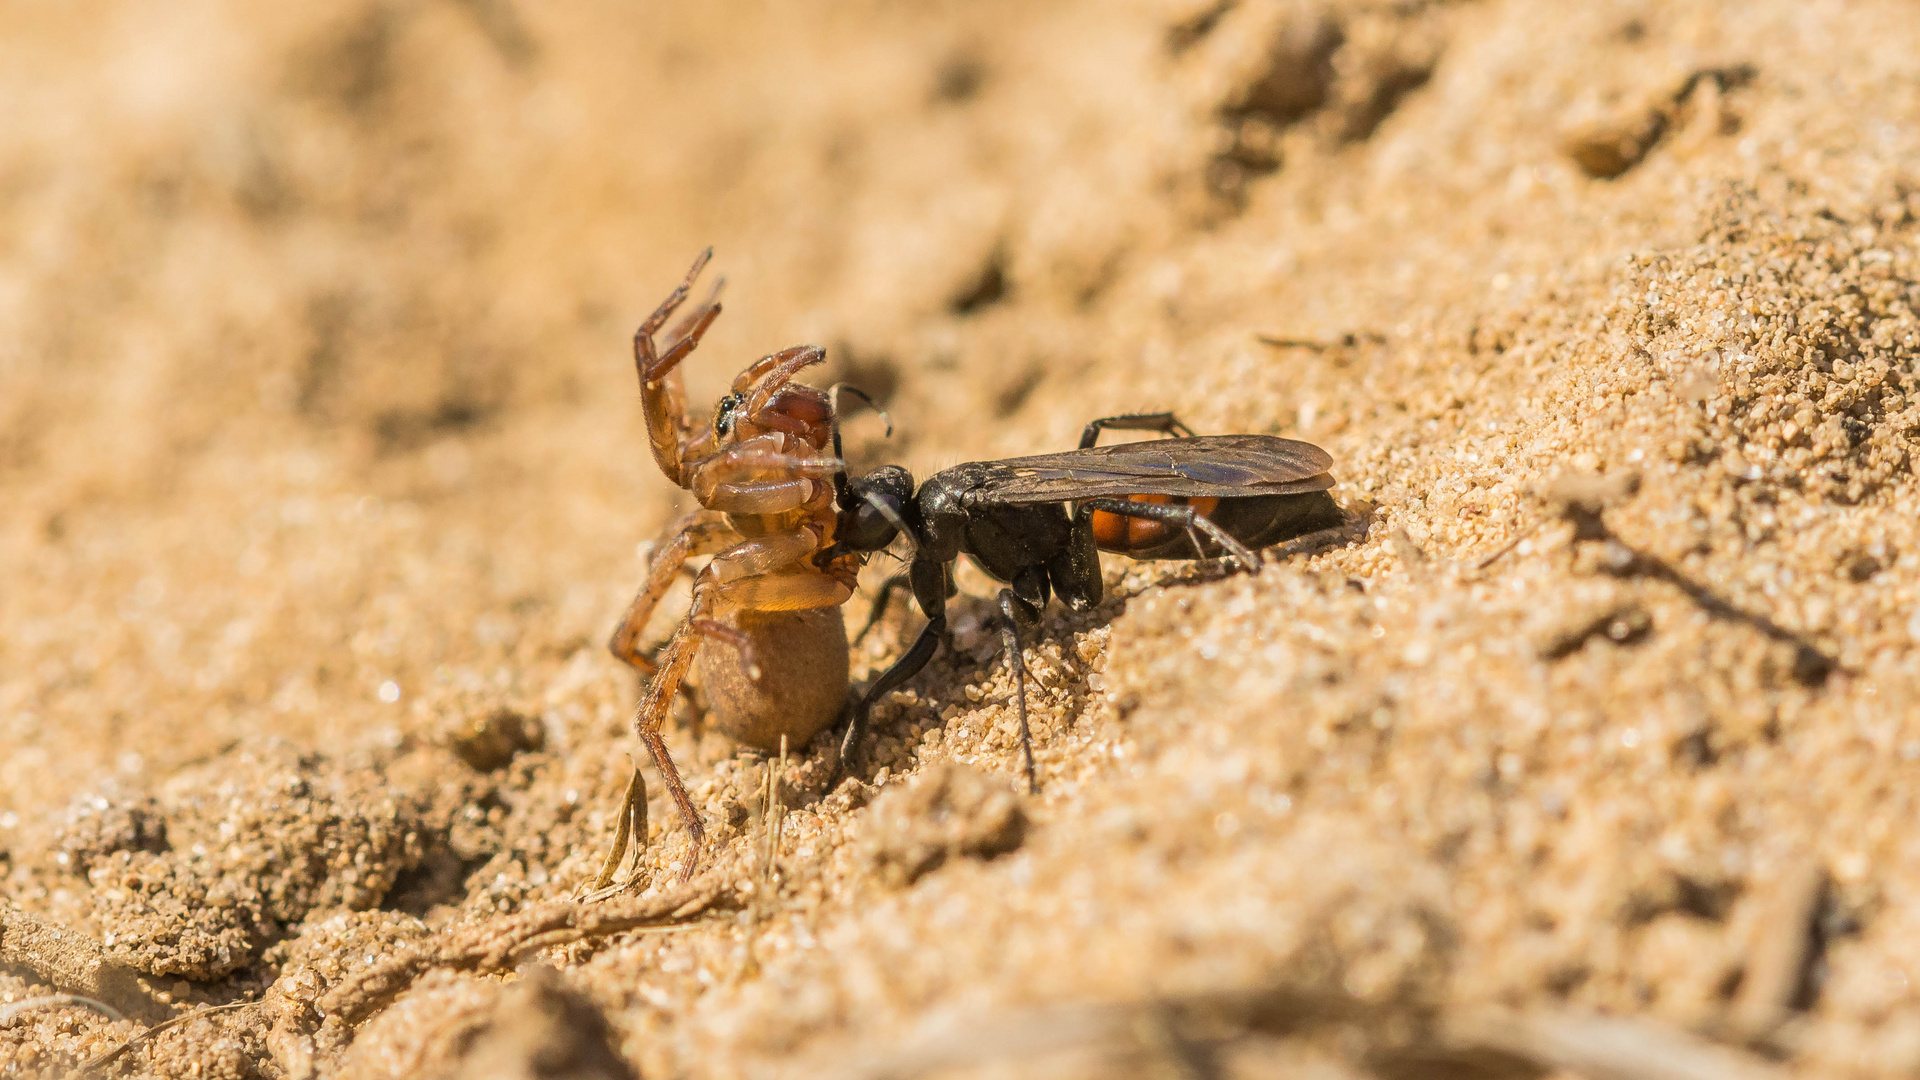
{"x": 763, "y": 473}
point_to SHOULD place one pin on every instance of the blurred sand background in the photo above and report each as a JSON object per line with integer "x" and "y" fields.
{"x": 323, "y": 480}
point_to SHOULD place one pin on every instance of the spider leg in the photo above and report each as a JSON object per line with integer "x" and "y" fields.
{"x": 767, "y": 573}
{"x": 674, "y": 299}
{"x": 684, "y": 328}
{"x": 655, "y": 704}
{"x": 703, "y": 532}
{"x": 661, "y": 398}
{"x": 760, "y": 368}
{"x": 768, "y": 484}
{"x": 762, "y": 456}
{"x": 676, "y": 352}
{"x": 790, "y": 362}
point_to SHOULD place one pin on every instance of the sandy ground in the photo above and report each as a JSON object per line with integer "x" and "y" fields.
{"x": 1587, "y": 747}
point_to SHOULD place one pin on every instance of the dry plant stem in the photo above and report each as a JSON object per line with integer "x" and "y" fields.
{"x": 1507, "y": 548}
{"x": 1409, "y": 554}
{"x": 108, "y": 1057}
{"x": 73, "y": 962}
{"x": 57, "y": 1001}
{"x": 1344, "y": 341}
{"x": 1785, "y": 945}
{"x": 1591, "y": 1046}
{"x": 773, "y": 815}
{"x": 1609, "y": 1047}
{"x": 632, "y": 828}
{"x": 1812, "y": 665}
{"x": 1173, "y": 1057}
{"x": 497, "y": 944}
{"x": 1157, "y": 1024}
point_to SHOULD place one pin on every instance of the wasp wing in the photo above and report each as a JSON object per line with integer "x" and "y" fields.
{"x": 1206, "y": 466}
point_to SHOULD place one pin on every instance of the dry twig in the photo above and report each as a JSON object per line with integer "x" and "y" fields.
{"x": 1582, "y": 500}
{"x": 1163, "y": 1027}
{"x": 56, "y": 1001}
{"x": 101, "y": 1060}
{"x": 497, "y": 944}
{"x": 73, "y": 962}
{"x": 1785, "y": 945}
{"x": 1607, "y": 1047}
{"x": 1344, "y": 341}
{"x": 1403, "y": 1038}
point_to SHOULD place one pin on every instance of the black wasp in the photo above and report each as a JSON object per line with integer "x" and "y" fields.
{"x": 1190, "y": 497}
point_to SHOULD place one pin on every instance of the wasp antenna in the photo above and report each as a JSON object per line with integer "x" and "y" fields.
{"x": 839, "y": 476}
{"x": 833, "y": 425}
{"x": 894, "y": 519}
{"x": 834, "y": 392}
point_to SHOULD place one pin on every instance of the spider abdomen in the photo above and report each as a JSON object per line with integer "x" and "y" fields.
{"x": 801, "y": 686}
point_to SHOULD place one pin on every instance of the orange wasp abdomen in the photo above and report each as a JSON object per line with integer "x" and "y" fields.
{"x": 1112, "y": 532}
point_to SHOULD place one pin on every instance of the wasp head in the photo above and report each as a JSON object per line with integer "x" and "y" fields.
{"x": 874, "y": 509}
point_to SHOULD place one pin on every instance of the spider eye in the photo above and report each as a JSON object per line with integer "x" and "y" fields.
{"x": 726, "y": 413}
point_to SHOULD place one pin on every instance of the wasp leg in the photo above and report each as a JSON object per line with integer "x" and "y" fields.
{"x": 1020, "y": 604}
{"x": 1174, "y": 514}
{"x": 887, "y": 588}
{"x": 910, "y": 664}
{"x": 1016, "y": 659}
{"x": 1163, "y": 422}
{"x": 930, "y": 583}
